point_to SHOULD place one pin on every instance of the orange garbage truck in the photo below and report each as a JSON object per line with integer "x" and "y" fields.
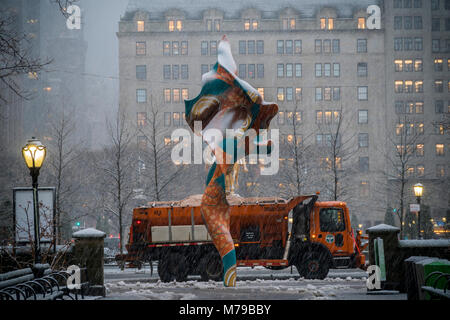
{"x": 272, "y": 232}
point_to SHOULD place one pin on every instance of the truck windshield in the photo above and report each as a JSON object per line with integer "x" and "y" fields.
{"x": 332, "y": 220}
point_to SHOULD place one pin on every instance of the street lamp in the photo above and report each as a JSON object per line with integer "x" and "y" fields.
{"x": 418, "y": 191}
{"x": 34, "y": 155}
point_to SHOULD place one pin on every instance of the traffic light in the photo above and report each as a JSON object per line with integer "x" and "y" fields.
{"x": 394, "y": 210}
{"x": 78, "y": 223}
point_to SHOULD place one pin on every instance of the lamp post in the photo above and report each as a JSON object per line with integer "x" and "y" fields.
{"x": 34, "y": 153}
{"x": 418, "y": 191}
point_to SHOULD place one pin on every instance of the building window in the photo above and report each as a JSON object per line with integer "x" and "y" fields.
{"x": 397, "y": 4}
{"x": 318, "y": 69}
{"x": 434, "y": 4}
{"x": 362, "y": 93}
{"x": 261, "y": 92}
{"x": 280, "y": 94}
{"x": 251, "y": 71}
{"x": 251, "y": 46}
{"x": 327, "y": 94}
{"x": 280, "y": 46}
{"x": 142, "y": 142}
{"x": 242, "y": 47}
{"x": 398, "y": 44}
{"x": 318, "y": 46}
{"x": 319, "y": 117}
{"x": 408, "y": 22}
{"x": 364, "y": 189}
{"x": 184, "y": 71}
{"x": 242, "y": 71}
{"x": 327, "y": 69}
{"x": 166, "y": 71}
{"x": 213, "y": 48}
{"x": 184, "y": 48}
{"x": 167, "y": 95}
{"x": 363, "y": 140}
{"x": 435, "y": 24}
{"x": 141, "y": 72}
{"x": 298, "y": 70}
{"x": 260, "y": 47}
{"x": 438, "y": 65}
{"x": 280, "y": 70}
{"x": 439, "y": 149}
{"x": 142, "y": 119}
{"x": 336, "y": 93}
{"x": 361, "y": 45}
{"x": 289, "y": 94}
{"x": 298, "y": 94}
{"x": 204, "y": 48}
{"x": 418, "y": 44}
{"x": 336, "y": 45}
{"x": 440, "y": 170}
{"x": 418, "y": 86}
{"x": 336, "y": 69}
{"x": 362, "y": 69}
{"x": 419, "y": 150}
{"x": 318, "y": 94}
{"x": 327, "y": 23}
{"x": 167, "y": 119}
{"x": 408, "y": 87}
{"x": 407, "y": 44}
{"x": 361, "y": 23}
{"x": 326, "y": 46}
{"x": 297, "y": 46}
{"x": 418, "y": 65}
{"x": 141, "y": 48}
{"x": 438, "y": 86}
{"x": 140, "y": 26}
{"x": 289, "y": 70}
{"x": 141, "y": 95}
{"x": 439, "y": 106}
{"x": 175, "y": 95}
{"x": 418, "y": 25}
{"x": 289, "y": 47}
{"x": 166, "y": 48}
{"x": 364, "y": 164}
{"x": 217, "y": 23}
{"x": 407, "y": 4}
{"x": 260, "y": 71}
{"x": 281, "y": 118}
{"x": 363, "y": 116}
{"x": 185, "y": 94}
{"x": 398, "y": 65}
{"x": 175, "y": 72}
{"x": 398, "y": 86}
{"x": 398, "y": 22}
{"x": 435, "y": 45}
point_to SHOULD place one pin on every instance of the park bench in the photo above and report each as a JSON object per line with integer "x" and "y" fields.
{"x": 42, "y": 284}
{"x": 431, "y": 286}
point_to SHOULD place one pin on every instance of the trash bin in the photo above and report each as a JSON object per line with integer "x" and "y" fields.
{"x": 412, "y": 290}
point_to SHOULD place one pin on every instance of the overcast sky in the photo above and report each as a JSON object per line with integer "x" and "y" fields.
{"x": 101, "y": 20}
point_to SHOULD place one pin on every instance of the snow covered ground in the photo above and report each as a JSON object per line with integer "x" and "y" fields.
{"x": 255, "y": 284}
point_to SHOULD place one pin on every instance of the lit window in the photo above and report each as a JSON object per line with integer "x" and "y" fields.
{"x": 261, "y": 92}
{"x": 364, "y": 189}
{"x": 319, "y": 117}
{"x": 420, "y": 170}
{"x": 398, "y": 65}
{"x": 255, "y": 25}
{"x": 398, "y": 86}
{"x": 141, "y": 119}
{"x": 140, "y": 26}
{"x": 176, "y": 95}
{"x": 440, "y": 170}
{"x": 438, "y": 65}
{"x": 439, "y": 149}
{"x": 167, "y": 95}
{"x": 247, "y": 24}
{"x": 280, "y": 94}
{"x": 171, "y": 25}
{"x": 419, "y": 150}
{"x": 361, "y": 23}
{"x": 292, "y": 24}
{"x": 141, "y": 48}
{"x": 323, "y": 23}
{"x": 179, "y": 25}
{"x": 418, "y": 66}
{"x": 176, "y": 118}
{"x": 418, "y": 86}
{"x": 142, "y": 142}
{"x": 399, "y": 129}
{"x": 185, "y": 94}
{"x": 330, "y": 23}
{"x": 298, "y": 94}
{"x": 408, "y": 86}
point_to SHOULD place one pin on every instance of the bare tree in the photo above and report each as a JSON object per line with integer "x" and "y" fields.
{"x": 404, "y": 142}
{"x": 15, "y": 55}
{"x": 64, "y": 172}
{"x": 117, "y": 164}
{"x": 156, "y": 170}
{"x": 336, "y": 150}
{"x": 63, "y": 5}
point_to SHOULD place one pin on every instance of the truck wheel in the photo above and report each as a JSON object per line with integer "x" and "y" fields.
{"x": 211, "y": 267}
{"x": 314, "y": 265}
{"x": 173, "y": 266}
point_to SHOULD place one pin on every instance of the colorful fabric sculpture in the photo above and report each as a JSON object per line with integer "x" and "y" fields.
{"x": 227, "y": 102}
